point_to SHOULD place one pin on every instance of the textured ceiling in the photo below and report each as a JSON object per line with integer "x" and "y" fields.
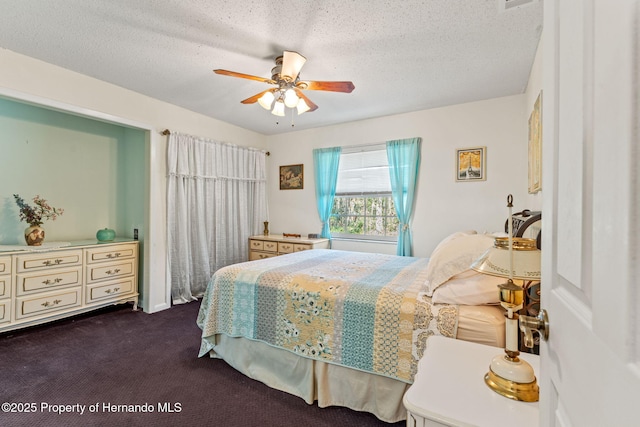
{"x": 402, "y": 55}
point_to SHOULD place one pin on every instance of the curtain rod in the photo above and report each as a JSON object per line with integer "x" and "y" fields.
{"x": 168, "y": 132}
{"x": 357, "y": 147}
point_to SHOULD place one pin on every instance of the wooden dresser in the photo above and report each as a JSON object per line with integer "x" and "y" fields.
{"x": 274, "y": 244}
{"x": 44, "y": 285}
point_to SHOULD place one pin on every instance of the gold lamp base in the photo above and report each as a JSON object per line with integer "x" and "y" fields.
{"x": 525, "y": 392}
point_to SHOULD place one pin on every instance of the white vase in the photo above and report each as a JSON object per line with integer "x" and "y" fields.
{"x": 34, "y": 235}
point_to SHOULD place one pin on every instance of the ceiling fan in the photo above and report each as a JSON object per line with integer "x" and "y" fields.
{"x": 288, "y": 91}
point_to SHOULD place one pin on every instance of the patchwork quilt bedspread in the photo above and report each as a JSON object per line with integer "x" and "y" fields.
{"x": 361, "y": 310}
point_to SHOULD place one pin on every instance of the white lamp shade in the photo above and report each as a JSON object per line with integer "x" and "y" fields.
{"x": 302, "y": 106}
{"x": 266, "y": 100}
{"x": 292, "y": 62}
{"x": 290, "y": 98}
{"x": 526, "y": 259}
{"x": 278, "y": 108}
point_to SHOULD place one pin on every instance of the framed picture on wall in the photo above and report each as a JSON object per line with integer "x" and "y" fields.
{"x": 292, "y": 177}
{"x": 535, "y": 147}
{"x": 471, "y": 164}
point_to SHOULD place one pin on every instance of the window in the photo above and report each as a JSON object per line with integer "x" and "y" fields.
{"x": 363, "y": 207}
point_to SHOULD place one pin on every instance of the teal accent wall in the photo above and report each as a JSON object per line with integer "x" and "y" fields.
{"x": 93, "y": 169}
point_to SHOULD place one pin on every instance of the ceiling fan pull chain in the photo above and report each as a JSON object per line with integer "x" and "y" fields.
{"x": 292, "y": 116}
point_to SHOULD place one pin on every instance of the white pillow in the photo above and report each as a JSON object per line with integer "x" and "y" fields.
{"x": 469, "y": 288}
{"x": 452, "y": 256}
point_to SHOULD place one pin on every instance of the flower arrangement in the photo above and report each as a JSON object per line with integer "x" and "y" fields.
{"x": 34, "y": 216}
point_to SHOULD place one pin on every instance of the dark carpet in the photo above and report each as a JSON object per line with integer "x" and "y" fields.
{"x": 105, "y": 362}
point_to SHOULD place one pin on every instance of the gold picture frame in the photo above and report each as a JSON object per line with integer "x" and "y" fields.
{"x": 535, "y": 147}
{"x": 471, "y": 164}
{"x": 292, "y": 177}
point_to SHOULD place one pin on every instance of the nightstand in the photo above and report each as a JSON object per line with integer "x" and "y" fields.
{"x": 449, "y": 389}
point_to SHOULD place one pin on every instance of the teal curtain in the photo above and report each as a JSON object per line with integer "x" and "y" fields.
{"x": 325, "y": 162}
{"x": 404, "y": 163}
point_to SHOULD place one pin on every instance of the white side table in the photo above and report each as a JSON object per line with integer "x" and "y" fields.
{"x": 449, "y": 389}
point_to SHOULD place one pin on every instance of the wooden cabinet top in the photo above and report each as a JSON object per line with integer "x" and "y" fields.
{"x": 59, "y": 246}
{"x": 281, "y": 238}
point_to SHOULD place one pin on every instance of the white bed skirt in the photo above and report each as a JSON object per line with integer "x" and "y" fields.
{"x": 334, "y": 385}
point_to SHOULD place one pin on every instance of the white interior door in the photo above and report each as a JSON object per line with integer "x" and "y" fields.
{"x": 590, "y": 373}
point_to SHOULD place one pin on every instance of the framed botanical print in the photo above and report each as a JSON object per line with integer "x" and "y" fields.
{"x": 471, "y": 164}
{"x": 292, "y": 177}
{"x": 535, "y": 147}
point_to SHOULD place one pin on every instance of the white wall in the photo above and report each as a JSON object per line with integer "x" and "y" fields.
{"x": 37, "y": 82}
{"x": 442, "y": 205}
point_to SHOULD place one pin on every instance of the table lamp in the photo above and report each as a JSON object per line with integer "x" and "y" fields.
{"x": 519, "y": 259}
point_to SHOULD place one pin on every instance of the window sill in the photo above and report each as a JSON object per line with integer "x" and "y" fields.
{"x": 347, "y": 239}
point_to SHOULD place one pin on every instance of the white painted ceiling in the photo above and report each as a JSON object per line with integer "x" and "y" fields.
{"x": 402, "y": 55}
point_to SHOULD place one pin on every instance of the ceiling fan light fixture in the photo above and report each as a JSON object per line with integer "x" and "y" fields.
{"x": 302, "y": 106}
{"x": 287, "y": 93}
{"x": 278, "y": 108}
{"x": 290, "y": 98}
{"x": 266, "y": 100}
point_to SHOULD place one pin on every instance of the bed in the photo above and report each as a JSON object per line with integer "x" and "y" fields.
{"x": 348, "y": 328}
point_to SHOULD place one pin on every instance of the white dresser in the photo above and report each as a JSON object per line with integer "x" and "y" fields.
{"x": 274, "y": 244}
{"x": 449, "y": 389}
{"x": 37, "y": 287}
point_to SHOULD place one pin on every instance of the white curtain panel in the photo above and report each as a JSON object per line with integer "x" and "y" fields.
{"x": 216, "y": 199}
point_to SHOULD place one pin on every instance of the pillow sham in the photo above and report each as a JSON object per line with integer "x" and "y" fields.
{"x": 452, "y": 256}
{"x": 469, "y": 288}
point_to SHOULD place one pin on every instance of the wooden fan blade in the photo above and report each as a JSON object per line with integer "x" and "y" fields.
{"x": 346, "y": 87}
{"x": 254, "y": 98}
{"x": 292, "y": 62}
{"x": 312, "y": 106}
{"x": 243, "y": 76}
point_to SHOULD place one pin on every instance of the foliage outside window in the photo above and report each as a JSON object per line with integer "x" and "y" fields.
{"x": 363, "y": 207}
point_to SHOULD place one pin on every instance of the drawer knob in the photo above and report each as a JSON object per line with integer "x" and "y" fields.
{"x": 48, "y": 282}
{"x": 109, "y": 291}
{"x": 114, "y": 271}
{"x": 51, "y": 304}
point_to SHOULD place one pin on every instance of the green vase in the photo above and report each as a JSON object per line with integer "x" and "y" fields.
{"x": 106, "y": 235}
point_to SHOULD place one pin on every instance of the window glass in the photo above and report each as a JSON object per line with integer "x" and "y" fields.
{"x": 363, "y": 207}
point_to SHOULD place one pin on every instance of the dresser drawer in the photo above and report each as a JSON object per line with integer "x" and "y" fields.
{"x": 5, "y": 265}
{"x": 5, "y": 286}
{"x": 111, "y": 289}
{"x": 110, "y": 252}
{"x": 271, "y": 246}
{"x": 5, "y": 311}
{"x": 48, "y": 279}
{"x": 48, "y": 260}
{"x": 263, "y": 245}
{"x": 34, "y": 305}
{"x": 285, "y": 248}
{"x": 297, "y": 247}
{"x": 253, "y": 255}
{"x": 256, "y": 245}
{"x": 111, "y": 270}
